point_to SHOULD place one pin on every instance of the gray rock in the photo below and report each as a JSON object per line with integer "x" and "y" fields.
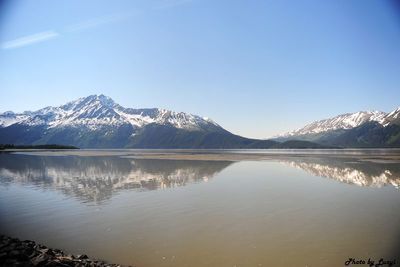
{"x": 68, "y": 262}
{"x": 58, "y": 251}
{"x": 55, "y": 264}
{"x": 14, "y": 252}
{"x": 40, "y": 260}
{"x": 82, "y": 257}
{"x": 47, "y": 251}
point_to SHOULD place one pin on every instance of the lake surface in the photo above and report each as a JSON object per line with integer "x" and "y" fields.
{"x": 206, "y": 208}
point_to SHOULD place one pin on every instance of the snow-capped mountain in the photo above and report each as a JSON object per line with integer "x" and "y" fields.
{"x": 360, "y": 129}
{"x": 8, "y": 118}
{"x": 345, "y": 122}
{"x": 98, "y": 110}
{"x": 392, "y": 117}
{"x": 97, "y": 121}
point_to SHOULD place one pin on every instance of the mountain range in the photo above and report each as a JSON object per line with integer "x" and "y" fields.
{"x": 96, "y": 121}
{"x": 360, "y": 129}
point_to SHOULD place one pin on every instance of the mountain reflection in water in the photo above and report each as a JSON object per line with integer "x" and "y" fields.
{"x": 350, "y": 171}
{"x": 97, "y": 178}
{"x": 257, "y": 209}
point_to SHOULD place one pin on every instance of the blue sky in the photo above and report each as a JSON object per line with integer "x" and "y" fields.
{"x": 258, "y": 68}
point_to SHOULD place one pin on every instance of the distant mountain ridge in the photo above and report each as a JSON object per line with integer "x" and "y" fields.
{"x": 99, "y": 110}
{"x": 359, "y": 129}
{"x": 97, "y": 121}
{"x": 344, "y": 121}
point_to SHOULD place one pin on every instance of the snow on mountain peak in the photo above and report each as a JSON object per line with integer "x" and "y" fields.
{"x": 99, "y": 110}
{"x": 8, "y": 118}
{"x": 344, "y": 121}
{"x": 391, "y": 117}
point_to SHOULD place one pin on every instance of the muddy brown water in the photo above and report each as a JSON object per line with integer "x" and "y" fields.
{"x": 255, "y": 208}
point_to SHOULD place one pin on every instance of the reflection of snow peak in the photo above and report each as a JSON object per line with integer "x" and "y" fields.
{"x": 98, "y": 180}
{"x": 348, "y": 175}
{"x": 135, "y": 178}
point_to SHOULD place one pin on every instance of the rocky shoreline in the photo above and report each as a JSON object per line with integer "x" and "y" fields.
{"x": 14, "y": 252}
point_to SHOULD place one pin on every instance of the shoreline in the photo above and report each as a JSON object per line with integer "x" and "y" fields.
{"x": 15, "y": 252}
{"x": 367, "y": 155}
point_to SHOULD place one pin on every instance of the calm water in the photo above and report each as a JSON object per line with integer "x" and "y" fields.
{"x": 311, "y": 210}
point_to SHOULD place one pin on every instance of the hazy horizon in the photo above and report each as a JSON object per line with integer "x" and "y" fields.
{"x": 257, "y": 69}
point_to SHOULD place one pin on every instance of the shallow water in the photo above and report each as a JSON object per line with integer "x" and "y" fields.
{"x": 315, "y": 210}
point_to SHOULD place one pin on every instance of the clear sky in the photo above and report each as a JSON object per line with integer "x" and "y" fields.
{"x": 258, "y": 68}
